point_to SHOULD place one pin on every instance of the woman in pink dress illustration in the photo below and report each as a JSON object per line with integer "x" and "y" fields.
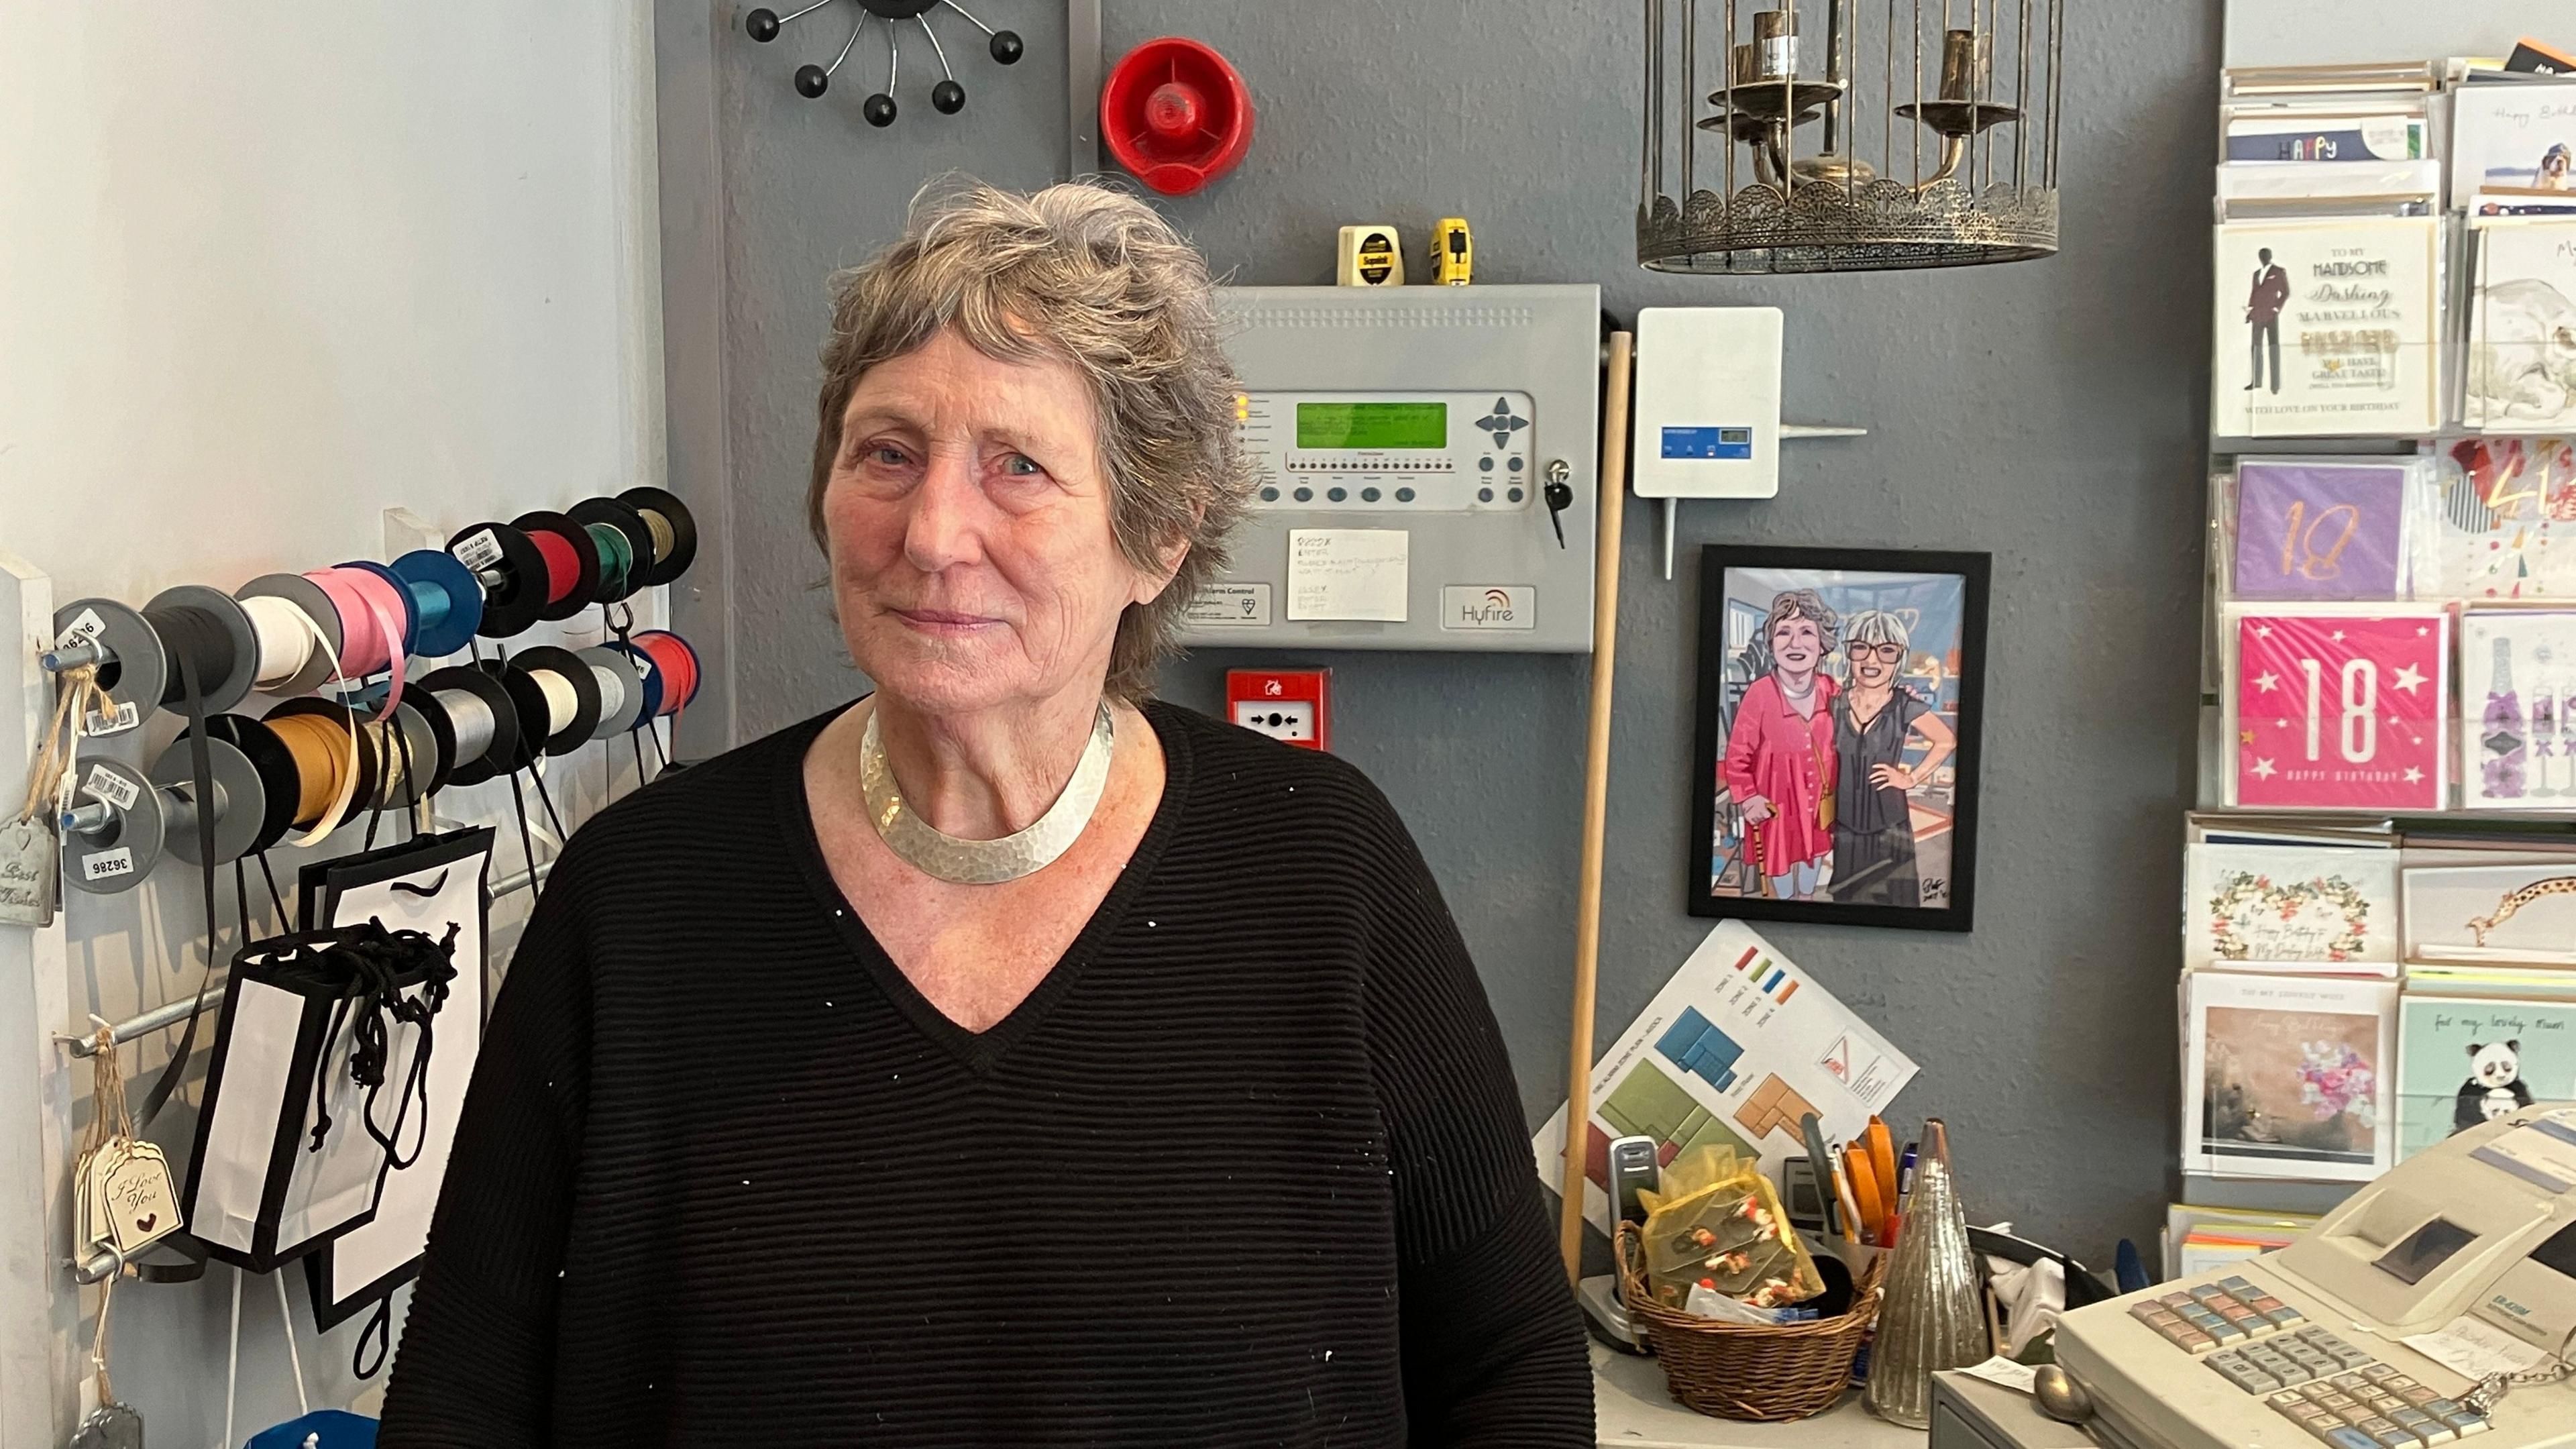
{"x": 1779, "y": 762}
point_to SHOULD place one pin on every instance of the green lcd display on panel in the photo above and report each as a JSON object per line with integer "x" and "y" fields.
{"x": 1372, "y": 425}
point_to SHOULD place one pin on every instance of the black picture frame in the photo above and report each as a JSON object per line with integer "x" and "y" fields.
{"x": 1727, "y": 882}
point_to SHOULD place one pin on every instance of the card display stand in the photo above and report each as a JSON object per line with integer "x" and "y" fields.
{"x": 2389, "y": 658}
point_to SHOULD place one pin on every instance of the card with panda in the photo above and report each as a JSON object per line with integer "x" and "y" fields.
{"x": 2521, "y": 363}
{"x": 2288, "y": 1076}
{"x": 2326, "y": 327}
{"x": 2462, "y": 1062}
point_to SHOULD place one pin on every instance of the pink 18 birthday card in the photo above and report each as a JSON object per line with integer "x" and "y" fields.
{"x": 2336, "y": 710}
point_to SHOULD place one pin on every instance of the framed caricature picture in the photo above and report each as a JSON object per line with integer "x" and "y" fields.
{"x": 1840, "y": 693}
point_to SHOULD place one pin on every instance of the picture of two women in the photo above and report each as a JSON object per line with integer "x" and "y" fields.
{"x": 1835, "y": 757}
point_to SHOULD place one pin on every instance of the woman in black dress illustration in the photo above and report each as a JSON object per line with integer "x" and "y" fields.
{"x": 1874, "y": 716}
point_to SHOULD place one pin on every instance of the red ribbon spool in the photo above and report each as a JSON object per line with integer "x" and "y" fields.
{"x": 563, "y": 566}
{"x": 676, "y": 662}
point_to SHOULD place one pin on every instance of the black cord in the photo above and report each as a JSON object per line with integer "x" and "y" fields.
{"x": 285, "y": 923}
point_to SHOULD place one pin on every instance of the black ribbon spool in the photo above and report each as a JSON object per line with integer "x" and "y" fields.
{"x": 585, "y": 551}
{"x": 527, "y": 709}
{"x": 639, "y": 544}
{"x": 276, "y": 766}
{"x": 361, "y": 799}
{"x": 684, "y": 532}
{"x": 210, "y": 628}
{"x": 239, "y": 813}
{"x": 546, "y": 659}
{"x": 483, "y": 682}
{"x": 512, "y": 606}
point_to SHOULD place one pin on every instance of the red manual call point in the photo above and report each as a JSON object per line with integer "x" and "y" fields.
{"x": 1176, "y": 114}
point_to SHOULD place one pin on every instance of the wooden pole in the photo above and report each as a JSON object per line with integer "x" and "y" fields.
{"x": 1596, "y": 792}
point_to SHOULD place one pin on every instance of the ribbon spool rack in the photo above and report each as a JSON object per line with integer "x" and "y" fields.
{"x": 312, "y": 762}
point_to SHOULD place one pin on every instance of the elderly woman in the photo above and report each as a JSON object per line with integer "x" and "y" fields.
{"x": 1006, "y": 1057}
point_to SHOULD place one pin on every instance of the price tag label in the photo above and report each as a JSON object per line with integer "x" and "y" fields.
{"x": 85, "y": 627}
{"x": 125, "y": 718}
{"x": 106, "y": 784}
{"x": 108, "y": 864}
{"x": 479, "y": 550}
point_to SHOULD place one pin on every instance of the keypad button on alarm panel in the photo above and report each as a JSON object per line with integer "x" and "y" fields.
{"x": 2336, "y": 1391}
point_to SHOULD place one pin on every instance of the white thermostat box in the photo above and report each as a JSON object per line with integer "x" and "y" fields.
{"x": 1404, "y": 439}
{"x": 1707, "y": 403}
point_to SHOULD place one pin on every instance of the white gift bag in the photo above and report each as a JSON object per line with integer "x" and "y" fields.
{"x": 426, "y": 885}
{"x": 317, "y": 1069}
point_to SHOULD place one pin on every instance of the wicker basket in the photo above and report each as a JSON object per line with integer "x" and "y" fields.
{"x": 1745, "y": 1371}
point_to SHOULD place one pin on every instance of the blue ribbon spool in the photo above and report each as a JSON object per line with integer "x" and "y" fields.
{"x": 445, "y": 599}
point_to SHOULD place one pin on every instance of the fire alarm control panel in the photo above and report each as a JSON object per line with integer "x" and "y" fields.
{"x": 1427, "y": 469}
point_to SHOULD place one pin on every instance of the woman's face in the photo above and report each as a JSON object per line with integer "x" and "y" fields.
{"x": 1874, "y": 666}
{"x": 968, "y": 523}
{"x": 1796, "y": 644}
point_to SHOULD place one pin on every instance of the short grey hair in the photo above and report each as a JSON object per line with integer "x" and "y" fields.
{"x": 1876, "y": 626}
{"x": 1097, "y": 279}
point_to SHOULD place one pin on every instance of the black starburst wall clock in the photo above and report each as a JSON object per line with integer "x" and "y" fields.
{"x": 898, "y": 19}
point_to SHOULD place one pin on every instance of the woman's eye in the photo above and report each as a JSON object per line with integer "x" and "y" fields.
{"x": 1021, "y": 465}
{"x": 890, "y": 457}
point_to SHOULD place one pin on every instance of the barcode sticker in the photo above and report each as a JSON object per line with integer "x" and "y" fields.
{"x": 85, "y": 625}
{"x": 108, "y": 863}
{"x": 125, "y": 718}
{"x": 105, "y": 784}
{"x": 481, "y": 550}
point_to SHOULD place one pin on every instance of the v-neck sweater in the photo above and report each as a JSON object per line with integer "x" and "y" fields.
{"x": 1247, "y": 1168}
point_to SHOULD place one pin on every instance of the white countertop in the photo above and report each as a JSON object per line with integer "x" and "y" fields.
{"x": 1634, "y": 1409}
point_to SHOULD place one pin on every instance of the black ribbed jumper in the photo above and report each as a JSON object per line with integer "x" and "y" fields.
{"x": 1247, "y": 1168}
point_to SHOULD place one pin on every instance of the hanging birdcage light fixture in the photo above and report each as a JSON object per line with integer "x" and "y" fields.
{"x": 1775, "y": 170}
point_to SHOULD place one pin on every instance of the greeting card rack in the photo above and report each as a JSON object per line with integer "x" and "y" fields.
{"x": 2387, "y": 784}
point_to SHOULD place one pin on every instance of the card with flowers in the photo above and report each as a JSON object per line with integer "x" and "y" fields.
{"x": 2325, "y": 910}
{"x": 2288, "y": 1076}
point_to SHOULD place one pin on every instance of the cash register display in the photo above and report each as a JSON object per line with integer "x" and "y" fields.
{"x": 2424, "y": 1250}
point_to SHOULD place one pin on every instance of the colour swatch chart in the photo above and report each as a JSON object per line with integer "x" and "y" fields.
{"x": 2341, "y": 711}
{"x": 1735, "y": 1049}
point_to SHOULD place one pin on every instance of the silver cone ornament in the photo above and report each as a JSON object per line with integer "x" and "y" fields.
{"x": 1932, "y": 1319}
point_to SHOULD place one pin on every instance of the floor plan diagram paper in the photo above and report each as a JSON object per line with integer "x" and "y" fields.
{"x": 1738, "y": 1046}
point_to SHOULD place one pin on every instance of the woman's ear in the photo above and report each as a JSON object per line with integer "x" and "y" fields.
{"x": 1150, "y": 586}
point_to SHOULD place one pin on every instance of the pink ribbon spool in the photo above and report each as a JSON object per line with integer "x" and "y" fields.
{"x": 371, "y": 636}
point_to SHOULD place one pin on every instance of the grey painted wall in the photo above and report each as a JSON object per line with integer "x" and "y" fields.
{"x": 2049, "y": 412}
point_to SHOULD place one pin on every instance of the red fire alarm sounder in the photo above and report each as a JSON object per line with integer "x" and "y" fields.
{"x": 1176, "y": 115}
{"x": 1293, "y": 705}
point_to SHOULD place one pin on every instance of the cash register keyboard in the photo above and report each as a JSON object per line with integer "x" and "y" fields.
{"x": 2328, "y": 1387}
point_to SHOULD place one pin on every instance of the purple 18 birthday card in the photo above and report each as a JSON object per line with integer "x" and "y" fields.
{"x": 2317, "y": 530}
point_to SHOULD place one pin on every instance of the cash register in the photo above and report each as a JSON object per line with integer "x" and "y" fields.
{"x": 2437, "y": 1305}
